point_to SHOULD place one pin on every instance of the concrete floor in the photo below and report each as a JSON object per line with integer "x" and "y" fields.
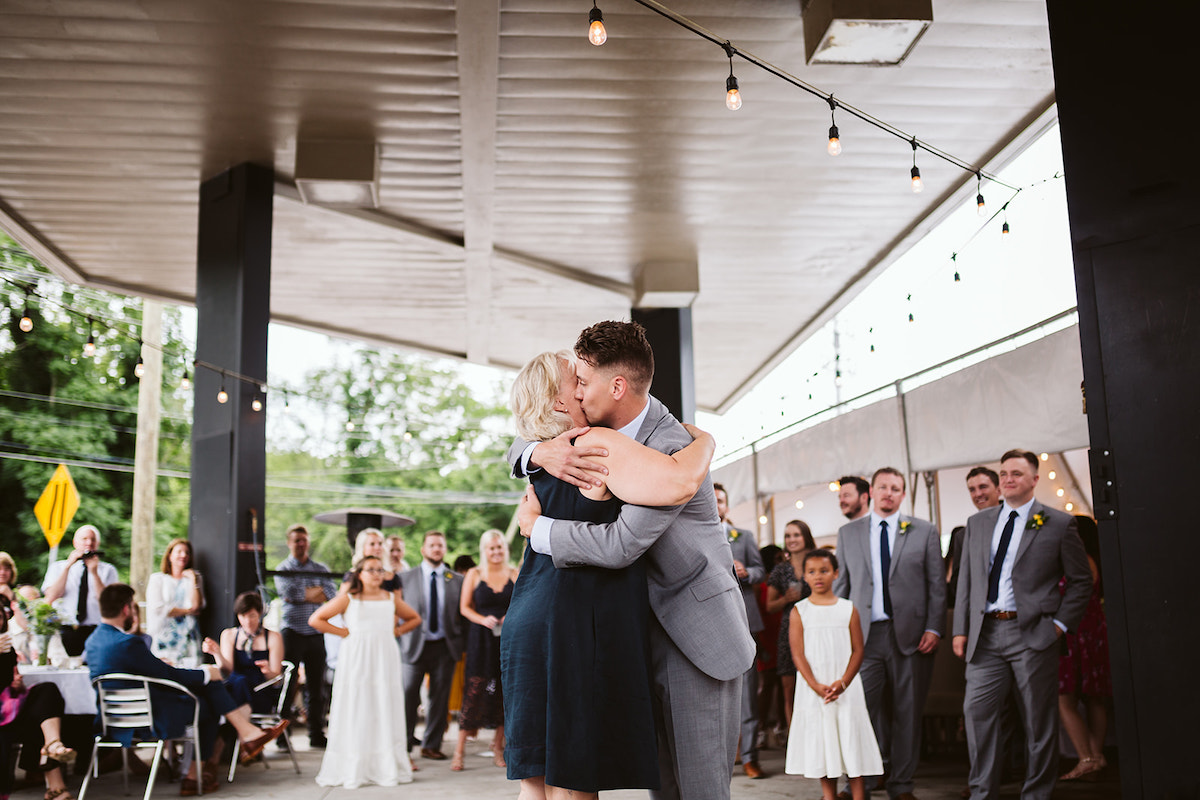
{"x": 939, "y": 779}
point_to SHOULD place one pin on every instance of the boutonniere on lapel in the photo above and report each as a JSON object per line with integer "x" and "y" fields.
{"x": 1036, "y": 522}
{"x": 904, "y": 526}
{"x": 449, "y": 576}
{"x": 734, "y": 533}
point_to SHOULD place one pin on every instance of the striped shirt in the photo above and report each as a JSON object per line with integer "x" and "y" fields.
{"x": 297, "y": 610}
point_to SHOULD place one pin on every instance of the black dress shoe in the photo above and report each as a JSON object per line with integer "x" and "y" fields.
{"x": 434, "y": 755}
{"x": 318, "y": 741}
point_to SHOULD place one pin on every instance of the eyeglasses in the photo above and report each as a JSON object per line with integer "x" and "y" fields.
{"x": 375, "y": 570}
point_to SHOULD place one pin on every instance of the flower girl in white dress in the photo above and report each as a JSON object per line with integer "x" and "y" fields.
{"x": 368, "y": 740}
{"x": 831, "y": 731}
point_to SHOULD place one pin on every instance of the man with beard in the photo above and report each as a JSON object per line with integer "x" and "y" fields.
{"x": 433, "y": 590}
{"x": 854, "y": 497}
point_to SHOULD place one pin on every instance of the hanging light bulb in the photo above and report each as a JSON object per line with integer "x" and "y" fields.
{"x": 835, "y": 144}
{"x": 733, "y": 98}
{"x": 222, "y": 396}
{"x": 287, "y": 404}
{"x": 89, "y": 349}
{"x": 349, "y": 426}
{"x": 596, "y": 33}
{"x": 26, "y": 323}
{"x": 186, "y": 383}
{"x": 917, "y": 185}
{"x": 981, "y": 207}
{"x": 1004, "y": 228}
{"x": 139, "y": 369}
{"x": 256, "y": 404}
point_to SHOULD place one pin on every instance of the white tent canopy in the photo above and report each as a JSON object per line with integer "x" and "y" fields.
{"x": 1028, "y": 397}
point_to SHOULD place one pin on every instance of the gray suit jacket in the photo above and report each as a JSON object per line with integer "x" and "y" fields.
{"x": 745, "y": 550}
{"x": 689, "y": 565}
{"x": 1044, "y": 557}
{"x": 916, "y": 580}
{"x": 416, "y": 594}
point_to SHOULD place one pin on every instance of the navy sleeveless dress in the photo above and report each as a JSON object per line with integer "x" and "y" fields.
{"x": 575, "y": 664}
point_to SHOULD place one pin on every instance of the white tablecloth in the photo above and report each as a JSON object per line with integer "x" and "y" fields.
{"x": 74, "y": 684}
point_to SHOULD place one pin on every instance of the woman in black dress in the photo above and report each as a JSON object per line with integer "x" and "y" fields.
{"x": 575, "y": 649}
{"x": 249, "y": 655}
{"x": 486, "y": 594}
{"x": 785, "y": 588}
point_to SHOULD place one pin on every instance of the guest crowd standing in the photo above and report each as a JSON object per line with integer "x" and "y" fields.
{"x": 77, "y": 581}
{"x": 302, "y": 595}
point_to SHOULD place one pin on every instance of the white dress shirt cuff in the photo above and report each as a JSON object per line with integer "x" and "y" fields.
{"x": 539, "y": 538}
{"x": 526, "y": 454}
{"x": 1061, "y": 627}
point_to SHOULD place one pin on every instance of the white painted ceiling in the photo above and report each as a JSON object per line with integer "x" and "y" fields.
{"x": 526, "y": 176}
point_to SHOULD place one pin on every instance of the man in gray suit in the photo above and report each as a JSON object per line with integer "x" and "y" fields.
{"x": 1008, "y": 616}
{"x": 700, "y": 642}
{"x": 748, "y": 567}
{"x": 433, "y": 590}
{"x": 892, "y": 571}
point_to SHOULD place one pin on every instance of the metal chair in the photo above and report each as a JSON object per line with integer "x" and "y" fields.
{"x": 126, "y": 704}
{"x": 271, "y": 719}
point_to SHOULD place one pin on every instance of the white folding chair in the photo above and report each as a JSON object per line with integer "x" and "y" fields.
{"x": 270, "y": 719}
{"x": 126, "y": 704}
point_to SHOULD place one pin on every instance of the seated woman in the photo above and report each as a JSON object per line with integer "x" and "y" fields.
{"x": 576, "y": 641}
{"x": 173, "y": 602}
{"x": 249, "y": 655}
{"x": 32, "y": 717}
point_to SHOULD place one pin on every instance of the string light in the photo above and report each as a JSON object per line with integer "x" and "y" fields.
{"x": 917, "y": 185}
{"x": 139, "y": 369}
{"x": 835, "y": 144}
{"x": 349, "y": 426}
{"x": 26, "y": 323}
{"x": 186, "y": 383}
{"x": 799, "y": 504}
{"x": 256, "y": 404}
{"x": 596, "y": 33}
{"x": 89, "y": 349}
{"x": 954, "y": 258}
{"x": 222, "y": 395}
{"x": 1069, "y": 507}
{"x": 980, "y": 206}
{"x": 733, "y": 98}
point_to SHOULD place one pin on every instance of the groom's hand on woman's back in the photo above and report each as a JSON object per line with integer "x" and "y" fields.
{"x": 569, "y": 463}
{"x": 528, "y": 511}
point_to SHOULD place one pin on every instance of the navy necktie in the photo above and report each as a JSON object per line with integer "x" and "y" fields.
{"x": 81, "y": 609}
{"x": 434, "y": 605}
{"x": 998, "y": 561}
{"x": 885, "y": 565}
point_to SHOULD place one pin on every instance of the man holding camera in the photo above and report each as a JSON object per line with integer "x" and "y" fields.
{"x": 78, "y": 580}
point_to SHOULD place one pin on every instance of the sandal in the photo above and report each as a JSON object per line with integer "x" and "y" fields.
{"x": 59, "y": 752}
{"x": 456, "y": 763}
{"x": 1086, "y": 766}
{"x": 57, "y": 794}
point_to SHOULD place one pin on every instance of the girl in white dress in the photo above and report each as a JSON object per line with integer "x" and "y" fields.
{"x": 368, "y": 740}
{"x": 831, "y": 731}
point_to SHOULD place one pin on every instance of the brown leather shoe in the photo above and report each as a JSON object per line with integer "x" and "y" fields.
{"x": 255, "y": 746}
{"x": 435, "y": 755}
{"x": 753, "y": 770}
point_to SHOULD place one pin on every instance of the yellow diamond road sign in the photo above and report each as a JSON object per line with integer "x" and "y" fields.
{"x": 57, "y": 505}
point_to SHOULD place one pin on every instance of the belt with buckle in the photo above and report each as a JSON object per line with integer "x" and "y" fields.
{"x": 1001, "y": 615}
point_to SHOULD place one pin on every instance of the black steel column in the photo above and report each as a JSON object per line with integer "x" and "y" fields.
{"x": 670, "y": 333}
{"x": 1131, "y": 183}
{"x": 233, "y": 290}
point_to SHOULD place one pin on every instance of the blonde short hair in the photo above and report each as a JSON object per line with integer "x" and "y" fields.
{"x": 533, "y": 395}
{"x": 486, "y": 538}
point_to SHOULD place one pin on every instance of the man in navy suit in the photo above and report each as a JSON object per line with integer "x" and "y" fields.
{"x": 110, "y": 649}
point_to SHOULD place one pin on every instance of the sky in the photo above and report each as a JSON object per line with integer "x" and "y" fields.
{"x": 1007, "y": 283}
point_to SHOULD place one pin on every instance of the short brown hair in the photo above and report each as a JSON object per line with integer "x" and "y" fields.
{"x": 297, "y": 528}
{"x": 247, "y": 602}
{"x": 166, "y": 559}
{"x": 987, "y": 472}
{"x": 114, "y": 598}
{"x": 425, "y": 538}
{"x": 1025, "y": 454}
{"x": 889, "y": 471}
{"x": 621, "y": 347}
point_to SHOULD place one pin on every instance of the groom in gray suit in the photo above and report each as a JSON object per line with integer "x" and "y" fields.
{"x": 892, "y": 571}
{"x": 1009, "y": 615}
{"x": 700, "y": 642}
